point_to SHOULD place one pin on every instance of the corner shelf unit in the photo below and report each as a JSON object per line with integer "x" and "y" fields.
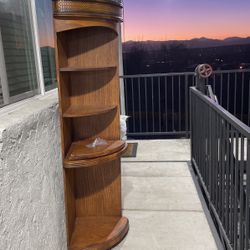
{"x": 88, "y": 81}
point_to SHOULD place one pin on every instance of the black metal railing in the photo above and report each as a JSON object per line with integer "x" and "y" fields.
{"x": 220, "y": 152}
{"x": 158, "y": 104}
{"x": 232, "y": 87}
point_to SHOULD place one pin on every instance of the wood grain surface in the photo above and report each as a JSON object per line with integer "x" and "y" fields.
{"x": 88, "y": 84}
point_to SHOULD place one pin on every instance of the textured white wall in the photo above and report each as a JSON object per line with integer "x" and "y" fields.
{"x": 31, "y": 179}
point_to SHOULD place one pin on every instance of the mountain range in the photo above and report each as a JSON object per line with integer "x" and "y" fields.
{"x": 202, "y": 42}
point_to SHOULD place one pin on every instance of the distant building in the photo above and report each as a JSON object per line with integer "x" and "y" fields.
{"x": 49, "y": 69}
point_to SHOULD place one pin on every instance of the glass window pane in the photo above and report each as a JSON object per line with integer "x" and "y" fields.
{"x": 47, "y": 43}
{"x": 18, "y": 77}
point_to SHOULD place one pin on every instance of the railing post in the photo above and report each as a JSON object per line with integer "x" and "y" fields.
{"x": 209, "y": 155}
{"x": 247, "y": 195}
{"x": 202, "y": 72}
{"x": 122, "y": 91}
{"x": 187, "y": 109}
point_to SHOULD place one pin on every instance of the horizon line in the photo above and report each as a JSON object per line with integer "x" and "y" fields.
{"x": 171, "y": 40}
{"x": 194, "y": 38}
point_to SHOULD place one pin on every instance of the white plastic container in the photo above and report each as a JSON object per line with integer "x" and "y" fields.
{"x": 123, "y": 121}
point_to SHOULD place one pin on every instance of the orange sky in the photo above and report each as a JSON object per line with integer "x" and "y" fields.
{"x": 182, "y": 19}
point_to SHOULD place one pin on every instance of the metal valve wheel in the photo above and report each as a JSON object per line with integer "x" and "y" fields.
{"x": 204, "y": 70}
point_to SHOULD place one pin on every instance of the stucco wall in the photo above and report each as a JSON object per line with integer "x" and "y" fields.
{"x": 31, "y": 177}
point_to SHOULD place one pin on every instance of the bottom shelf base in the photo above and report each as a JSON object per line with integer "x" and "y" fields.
{"x": 98, "y": 233}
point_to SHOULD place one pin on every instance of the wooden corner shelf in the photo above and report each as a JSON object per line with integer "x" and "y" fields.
{"x": 75, "y": 111}
{"x": 87, "y": 54}
{"x": 82, "y": 150}
{"x": 82, "y": 69}
{"x": 98, "y": 233}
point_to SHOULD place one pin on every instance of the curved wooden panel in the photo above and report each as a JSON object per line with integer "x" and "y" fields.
{"x": 104, "y": 9}
{"x": 94, "y": 162}
{"x": 98, "y": 233}
{"x": 65, "y": 25}
{"x": 80, "y": 150}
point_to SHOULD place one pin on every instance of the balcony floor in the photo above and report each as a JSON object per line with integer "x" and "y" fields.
{"x": 161, "y": 201}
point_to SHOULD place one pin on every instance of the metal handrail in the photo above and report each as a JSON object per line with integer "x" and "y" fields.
{"x": 220, "y": 154}
{"x": 184, "y": 73}
{"x": 238, "y": 124}
{"x": 158, "y": 75}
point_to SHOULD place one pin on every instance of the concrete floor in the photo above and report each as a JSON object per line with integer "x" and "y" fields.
{"x": 161, "y": 201}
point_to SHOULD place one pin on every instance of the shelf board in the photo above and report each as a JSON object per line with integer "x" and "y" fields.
{"x": 82, "y": 69}
{"x": 75, "y": 111}
{"x": 94, "y": 161}
{"x": 81, "y": 151}
{"x": 98, "y": 232}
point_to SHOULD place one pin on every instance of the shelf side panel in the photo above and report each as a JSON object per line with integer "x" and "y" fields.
{"x": 105, "y": 126}
{"x": 92, "y": 47}
{"x": 64, "y": 92}
{"x": 98, "y": 190}
{"x": 70, "y": 205}
{"x": 66, "y": 135}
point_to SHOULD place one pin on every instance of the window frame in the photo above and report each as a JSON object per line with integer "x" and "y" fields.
{"x": 38, "y": 56}
{"x": 15, "y": 100}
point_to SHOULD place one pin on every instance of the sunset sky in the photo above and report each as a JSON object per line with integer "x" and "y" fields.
{"x": 186, "y": 19}
{"x": 169, "y": 19}
{"x": 45, "y": 22}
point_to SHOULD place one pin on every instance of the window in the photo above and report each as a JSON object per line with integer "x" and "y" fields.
{"x": 46, "y": 41}
{"x": 27, "y": 67}
{"x": 17, "y": 53}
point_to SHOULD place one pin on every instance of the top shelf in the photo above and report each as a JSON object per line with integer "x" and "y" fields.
{"x": 81, "y": 69}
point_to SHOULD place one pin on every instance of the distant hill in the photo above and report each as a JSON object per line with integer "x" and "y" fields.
{"x": 202, "y": 42}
